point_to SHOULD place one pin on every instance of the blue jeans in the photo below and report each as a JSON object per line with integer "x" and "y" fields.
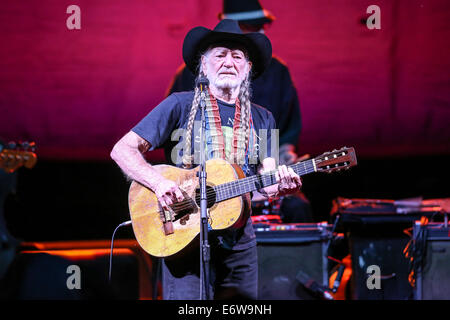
{"x": 233, "y": 274}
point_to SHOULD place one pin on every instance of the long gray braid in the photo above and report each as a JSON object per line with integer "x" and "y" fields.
{"x": 187, "y": 156}
{"x": 244, "y": 128}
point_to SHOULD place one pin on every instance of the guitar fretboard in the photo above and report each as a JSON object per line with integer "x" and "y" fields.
{"x": 239, "y": 187}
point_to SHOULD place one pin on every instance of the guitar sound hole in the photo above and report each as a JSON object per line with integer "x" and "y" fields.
{"x": 183, "y": 209}
{"x": 210, "y": 196}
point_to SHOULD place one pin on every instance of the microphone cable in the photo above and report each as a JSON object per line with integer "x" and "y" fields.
{"x": 126, "y": 223}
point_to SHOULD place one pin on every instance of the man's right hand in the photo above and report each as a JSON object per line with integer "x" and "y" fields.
{"x": 168, "y": 193}
{"x": 128, "y": 154}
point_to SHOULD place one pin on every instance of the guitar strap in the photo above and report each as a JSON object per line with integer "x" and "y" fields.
{"x": 215, "y": 142}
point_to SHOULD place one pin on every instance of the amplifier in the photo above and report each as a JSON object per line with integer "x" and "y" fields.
{"x": 292, "y": 257}
{"x": 431, "y": 257}
{"x": 78, "y": 270}
{"x": 386, "y": 212}
{"x": 375, "y": 234}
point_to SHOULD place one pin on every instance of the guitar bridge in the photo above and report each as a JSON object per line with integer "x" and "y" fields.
{"x": 168, "y": 227}
{"x": 167, "y": 218}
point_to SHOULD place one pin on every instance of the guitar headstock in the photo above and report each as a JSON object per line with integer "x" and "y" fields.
{"x": 14, "y": 155}
{"x": 336, "y": 160}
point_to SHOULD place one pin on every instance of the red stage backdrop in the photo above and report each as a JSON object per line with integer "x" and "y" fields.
{"x": 76, "y": 92}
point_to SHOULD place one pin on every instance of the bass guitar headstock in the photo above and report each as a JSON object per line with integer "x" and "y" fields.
{"x": 15, "y": 155}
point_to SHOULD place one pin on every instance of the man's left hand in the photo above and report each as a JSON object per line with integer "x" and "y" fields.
{"x": 288, "y": 181}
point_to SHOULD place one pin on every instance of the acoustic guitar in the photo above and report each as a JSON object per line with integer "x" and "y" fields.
{"x": 163, "y": 233}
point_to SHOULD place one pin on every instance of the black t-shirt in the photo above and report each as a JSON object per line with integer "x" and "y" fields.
{"x": 161, "y": 127}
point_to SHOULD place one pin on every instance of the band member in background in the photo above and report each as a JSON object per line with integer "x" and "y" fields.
{"x": 230, "y": 59}
{"x": 275, "y": 91}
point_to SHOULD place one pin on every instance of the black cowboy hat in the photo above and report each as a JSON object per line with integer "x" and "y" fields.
{"x": 227, "y": 32}
{"x": 248, "y": 12}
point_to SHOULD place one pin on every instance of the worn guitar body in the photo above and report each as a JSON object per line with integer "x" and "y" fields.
{"x": 148, "y": 218}
{"x": 164, "y": 233}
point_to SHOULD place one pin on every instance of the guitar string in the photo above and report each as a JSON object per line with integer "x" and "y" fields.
{"x": 238, "y": 184}
{"x": 308, "y": 167}
{"x": 249, "y": 181}
{"x": 224, "y": 189}
{"x": 187, "y": 204}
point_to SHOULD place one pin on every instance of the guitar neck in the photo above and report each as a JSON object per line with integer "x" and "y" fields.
{"x": 239, "y": 187}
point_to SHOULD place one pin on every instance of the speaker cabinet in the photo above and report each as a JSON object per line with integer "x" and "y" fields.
{"x": 375, "y": 232}
{"x": 381, "y": 247}
{"x": 433, "y": 273}
{"x": 78, "y": 270}
{"x": 286, "y": 250}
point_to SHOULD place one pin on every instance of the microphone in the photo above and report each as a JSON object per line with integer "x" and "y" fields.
{"x": 313, "y": 286}
{"x": 202, "y": 82}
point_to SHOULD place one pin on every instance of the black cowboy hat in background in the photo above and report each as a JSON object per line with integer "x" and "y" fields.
{"x": 246, "y": 11}
{"x": 227, "y": 32}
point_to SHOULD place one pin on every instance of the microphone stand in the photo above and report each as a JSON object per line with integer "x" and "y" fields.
{"x": 204, "y": 245}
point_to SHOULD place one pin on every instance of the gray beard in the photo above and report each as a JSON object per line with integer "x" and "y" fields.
{"x": 226, "y": 84}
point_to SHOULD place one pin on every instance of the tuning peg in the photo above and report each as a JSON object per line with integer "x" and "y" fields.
{"x": 33, "y": 146}
{"x": 12, "y": 145}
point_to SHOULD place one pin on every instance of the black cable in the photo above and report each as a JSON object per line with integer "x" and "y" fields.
{"x": 337, "y": 281}
{"x": 126, "y": 223}
{"x": 415, "y": 251}
{"x": 333, "y": 229}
